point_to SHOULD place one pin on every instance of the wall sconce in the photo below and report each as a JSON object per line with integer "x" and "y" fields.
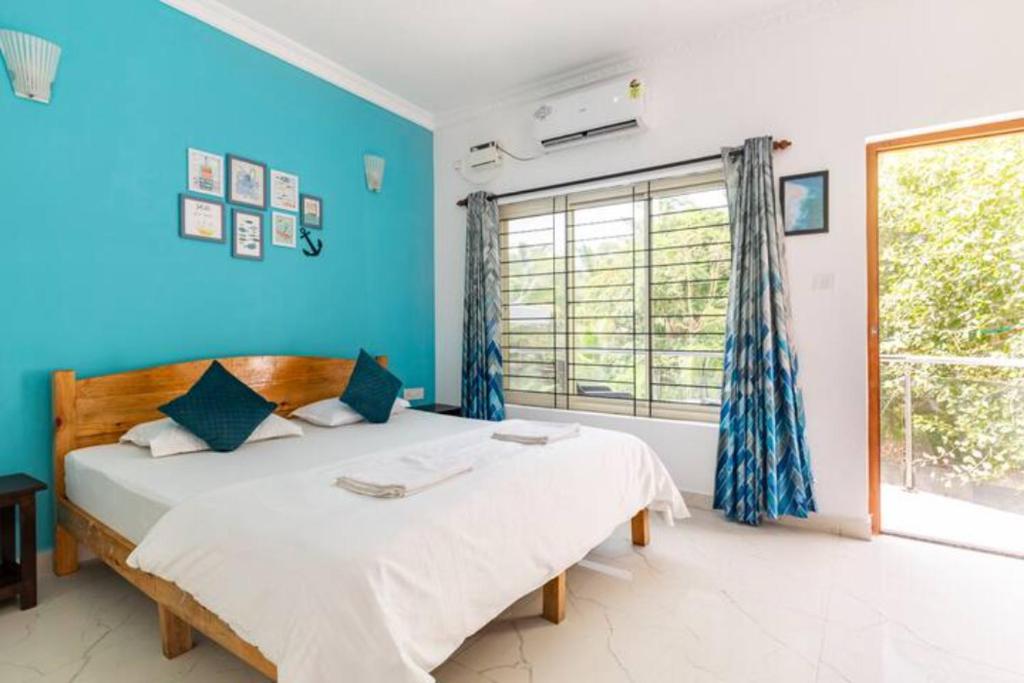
{"x": 374, "y": 172}
{"x": 31, "y": 64}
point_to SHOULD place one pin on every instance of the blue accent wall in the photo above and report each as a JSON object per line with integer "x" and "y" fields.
{"x": 93, "y": 275}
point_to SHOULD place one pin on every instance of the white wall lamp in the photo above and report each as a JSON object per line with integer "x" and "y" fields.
{"x": 374, "y": 172}
{"x": 31, "y": 64}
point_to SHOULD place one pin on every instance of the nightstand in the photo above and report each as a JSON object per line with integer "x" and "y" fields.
{"x": 18, "y": 492}
{"x": 440, "y": 409}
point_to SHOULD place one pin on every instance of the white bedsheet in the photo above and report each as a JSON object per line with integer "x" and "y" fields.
{"x": 129, "y": 490}
{"x": 331, "y": 585}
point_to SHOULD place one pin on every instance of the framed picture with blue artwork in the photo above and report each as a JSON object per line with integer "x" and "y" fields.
{"x": 804, "y": 200}
{"x": 247, "y": 235}
{"x": 247, "y": 182}
{"x": 282, "y": 229}
{"x": 312, "y": 211}
{"x": 205, "y": 172}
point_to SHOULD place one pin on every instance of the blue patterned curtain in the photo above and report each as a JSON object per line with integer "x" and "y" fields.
{"x": 482, "y": 395}
{"x": 764, "y": 467}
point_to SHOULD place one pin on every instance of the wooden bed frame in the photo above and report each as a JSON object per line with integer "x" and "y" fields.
{"x": 98, "y": 410}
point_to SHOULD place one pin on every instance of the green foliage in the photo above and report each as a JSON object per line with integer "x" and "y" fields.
{"x": 951, "y": 230}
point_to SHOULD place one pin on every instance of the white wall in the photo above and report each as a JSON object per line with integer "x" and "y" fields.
{"x": 827, "y": 79}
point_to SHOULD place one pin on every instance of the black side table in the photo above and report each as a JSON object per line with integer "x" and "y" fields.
{"x": 18, "y": 492}
{"x": 440, "y": 409}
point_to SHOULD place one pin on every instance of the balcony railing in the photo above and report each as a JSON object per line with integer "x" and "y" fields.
{"x": 908, "y": 364}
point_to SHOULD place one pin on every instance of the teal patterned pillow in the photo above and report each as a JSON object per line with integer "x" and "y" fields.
{"x": 371, "y": 390}
{"x": 220, "y": 409}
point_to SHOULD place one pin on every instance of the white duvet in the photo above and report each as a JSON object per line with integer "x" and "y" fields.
{"x": 331, "y": 585}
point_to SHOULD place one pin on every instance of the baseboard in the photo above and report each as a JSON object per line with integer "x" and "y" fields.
{"x": 849, "y": 527}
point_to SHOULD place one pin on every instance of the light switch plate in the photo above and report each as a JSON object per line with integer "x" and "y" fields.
{"x": 823, "y": 281}
{"x": 413, "y": 394}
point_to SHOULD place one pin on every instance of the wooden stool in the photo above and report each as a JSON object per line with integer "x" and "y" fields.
{"x": 18, "y": 491}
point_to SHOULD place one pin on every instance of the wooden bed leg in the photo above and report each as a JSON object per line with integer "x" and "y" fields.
{"x": 175, "y": 634}
{"x": 641, "y": 528}
{"x": 554, "y": 599}
{"x": 65, "y": 552}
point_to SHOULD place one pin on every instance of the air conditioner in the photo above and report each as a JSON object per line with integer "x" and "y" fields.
{"x": 591, "y": 113}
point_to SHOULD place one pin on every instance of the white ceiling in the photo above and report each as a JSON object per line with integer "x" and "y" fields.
{"x": 448, "y": 55}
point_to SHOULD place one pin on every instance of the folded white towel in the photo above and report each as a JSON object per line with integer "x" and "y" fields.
{"x": 535, "y": 433}
{"x": 402, "y": 476}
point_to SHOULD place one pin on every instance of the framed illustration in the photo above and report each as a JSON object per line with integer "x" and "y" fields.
{"x": 247, "y": 182}
{"x": 282, "y": 229}
{"x": 247, "y": 235}
{"x": 205, "y": 172}
{"x": 312, "y": 214}
{"x": 284, "y": 191}
{"x": 200, "y": 219}
{"x": 804, "y": 200}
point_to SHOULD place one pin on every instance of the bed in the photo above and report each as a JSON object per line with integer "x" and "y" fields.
{"x": 206, "y": 534}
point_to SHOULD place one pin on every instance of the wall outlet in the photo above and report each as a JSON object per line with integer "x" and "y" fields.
{"x": 413, "y": 394}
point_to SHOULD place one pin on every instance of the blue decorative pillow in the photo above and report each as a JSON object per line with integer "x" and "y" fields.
{"x": 371, "y": 390}
{"x": 220, "y": 409}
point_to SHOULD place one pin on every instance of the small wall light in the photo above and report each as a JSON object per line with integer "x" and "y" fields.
{"x": 31, "y": 64}
{"x": 374, "y": 172}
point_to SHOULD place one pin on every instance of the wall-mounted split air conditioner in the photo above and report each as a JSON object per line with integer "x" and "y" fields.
{"x": 595, "y": 112}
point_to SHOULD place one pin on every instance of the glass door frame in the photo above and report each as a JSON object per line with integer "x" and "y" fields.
{"x": 874, "y": 149}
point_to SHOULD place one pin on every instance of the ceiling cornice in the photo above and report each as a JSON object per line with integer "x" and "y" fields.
{"x": 281, "y": 46}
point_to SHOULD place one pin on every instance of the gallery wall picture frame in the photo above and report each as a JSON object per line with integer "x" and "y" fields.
{"x": 312, "y": 211}
{"x": 205, "y": 172}
{"x": 284, "y": 191}
{"x": 283, "y": 229}
{"x": 247, "y": 182}
{"x": 803, "y": 199}
{"x": 247, "y": 235}
{"x": 200, "y": 219}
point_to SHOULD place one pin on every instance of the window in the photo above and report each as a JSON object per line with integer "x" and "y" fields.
{"x": 614, "y": 300}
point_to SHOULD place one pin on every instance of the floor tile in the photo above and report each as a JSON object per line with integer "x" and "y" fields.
{"x": 706, "y": 602}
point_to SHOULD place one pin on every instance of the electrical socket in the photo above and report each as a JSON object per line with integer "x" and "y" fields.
{"x": 413, "y": 394}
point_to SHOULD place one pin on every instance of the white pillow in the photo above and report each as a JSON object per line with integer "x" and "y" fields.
{"x": 167, "y": 437}
{"x": 331, "y": 412}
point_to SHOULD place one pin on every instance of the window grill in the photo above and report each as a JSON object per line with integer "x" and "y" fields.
{"x": 614, "y": 300}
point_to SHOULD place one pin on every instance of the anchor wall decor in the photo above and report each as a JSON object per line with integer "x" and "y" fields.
{"x": 314, "y": 249}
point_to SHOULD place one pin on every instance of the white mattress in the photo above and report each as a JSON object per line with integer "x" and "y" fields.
{"x": 128, "y": 490}
{"x": 386, "y": 589}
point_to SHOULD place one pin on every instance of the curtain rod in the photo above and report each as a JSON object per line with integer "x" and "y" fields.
{"x": 777, "y": 145}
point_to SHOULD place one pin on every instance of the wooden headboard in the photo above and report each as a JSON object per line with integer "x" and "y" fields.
{"x": 100, "y": 409}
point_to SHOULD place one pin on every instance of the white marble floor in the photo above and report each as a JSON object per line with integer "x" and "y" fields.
{"x": 706, "y": 601}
